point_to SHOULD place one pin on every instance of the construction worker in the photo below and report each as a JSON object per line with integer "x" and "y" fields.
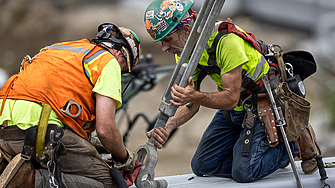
{"x": 81, "y": 81}
{"x": 221, "y": 149}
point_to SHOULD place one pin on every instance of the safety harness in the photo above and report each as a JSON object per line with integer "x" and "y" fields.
{"x": 249, "y": 88}
{"x": 225, "y": 28}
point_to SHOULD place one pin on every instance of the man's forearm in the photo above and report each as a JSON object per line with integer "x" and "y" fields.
{"x": 223, "y": 100}
{"x": 112, "y": 141}
{"x": 182, "y": 115}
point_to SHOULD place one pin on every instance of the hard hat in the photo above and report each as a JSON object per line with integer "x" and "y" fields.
{"x": 162, "y": 16}
{"x": 124, "y": 40}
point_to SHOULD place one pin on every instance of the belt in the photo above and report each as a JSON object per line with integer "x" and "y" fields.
{"x": 12, "y": 133}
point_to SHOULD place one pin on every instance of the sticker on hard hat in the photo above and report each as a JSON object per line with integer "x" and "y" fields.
{"x": 125, "y": 31}
{"x": 152, "y": 33}
{"x": 169, "y": 15}
{"x": 161, "y": 26}
{"x": 133, "y": 46}
{"x": 150, "y": 14}
{"x": 148, "y": 24}
{"x": 160, "y": 14}
{"x": 165, "y": 4}
{"x": 179, "y": 7}
{"x": 164, "y": 16}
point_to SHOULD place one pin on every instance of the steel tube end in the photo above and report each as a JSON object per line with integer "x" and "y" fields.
{"x": 161, "y": 183}
{"x": 154, "y": 184}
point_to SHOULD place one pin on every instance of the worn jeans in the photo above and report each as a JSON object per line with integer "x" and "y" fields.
{"x": 81, "y": 167}
{"x": 220, "y": 151}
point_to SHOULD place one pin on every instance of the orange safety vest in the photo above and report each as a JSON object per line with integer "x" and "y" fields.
{"x": 60, "y": 73}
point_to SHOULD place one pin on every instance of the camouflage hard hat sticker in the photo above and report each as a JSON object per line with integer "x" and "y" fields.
{"x": 133, "y": 46}
{"x": 160, "y": 14}
{"x": 150, "y": 14}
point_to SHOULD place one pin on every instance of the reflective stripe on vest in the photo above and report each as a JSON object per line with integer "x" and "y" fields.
{"x": 91, "y": 59}
{"x": 258, "y": 69}
{"x": 87, "y": 61}
{"x": 69, "y": 48}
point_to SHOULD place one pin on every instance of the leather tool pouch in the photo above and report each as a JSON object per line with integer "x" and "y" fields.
{"x": 296, "y": 111}
{"x": 266, "y": 116}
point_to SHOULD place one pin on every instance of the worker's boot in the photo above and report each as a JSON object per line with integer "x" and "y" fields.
{"x": 307, "y": 151}
{"x": 18, "y": 173}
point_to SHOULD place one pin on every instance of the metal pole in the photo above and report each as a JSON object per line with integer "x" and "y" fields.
{"x": 280, "y": 122}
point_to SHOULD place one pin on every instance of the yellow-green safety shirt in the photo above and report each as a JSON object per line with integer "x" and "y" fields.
{"x": 26, "y": 114}
{"x": 233, "y": 51}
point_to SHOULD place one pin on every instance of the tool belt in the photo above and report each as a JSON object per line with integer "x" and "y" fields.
{"x": 296, "y": 111}
{"x": 34, "y": 137}
{"x": 267, "y": 119}
{"x": 12, "y": 133}
{"x": 15, "y": 133}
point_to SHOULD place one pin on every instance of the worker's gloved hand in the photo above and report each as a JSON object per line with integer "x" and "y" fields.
{"x": 130, "y": 168}
{"x": 129, "y": 165}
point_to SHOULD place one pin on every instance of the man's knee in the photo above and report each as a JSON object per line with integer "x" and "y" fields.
{"x": 241, "y": 173}
{"x": 196, "y": 167}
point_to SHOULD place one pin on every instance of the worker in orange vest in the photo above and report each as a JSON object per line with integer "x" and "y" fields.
{"x": 81, "y": 82}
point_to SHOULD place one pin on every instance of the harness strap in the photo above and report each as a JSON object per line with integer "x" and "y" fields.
{"x": 29, "y": 143}
{"x": 248, "y": 123}
{"x": 35, "y": 136}
{"x": 212, "y": 51}
{"x": 42, "y": 129}
{"x": 281, "y": 65}
{"x": 201, "y": 76}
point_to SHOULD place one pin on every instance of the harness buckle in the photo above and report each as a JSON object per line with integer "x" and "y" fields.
{"x": 67, "y": 107}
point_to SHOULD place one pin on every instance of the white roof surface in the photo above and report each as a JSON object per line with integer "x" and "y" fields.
{"x": 282, "y": 178}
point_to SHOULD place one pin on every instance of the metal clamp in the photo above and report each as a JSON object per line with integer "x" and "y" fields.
{"x": 148, "y": 157}
{"x": 273, "y": 49}
{"x": 148, "y": 151}
{"x": 245, "y": 104}
{"x": 289, "y": 69}
{"x": 67, "y": 107}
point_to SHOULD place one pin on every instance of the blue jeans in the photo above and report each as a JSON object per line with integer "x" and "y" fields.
{"x": 220, "y": 148}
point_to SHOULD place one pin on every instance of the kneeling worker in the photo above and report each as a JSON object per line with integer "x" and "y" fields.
{"x": 81, "y": 82}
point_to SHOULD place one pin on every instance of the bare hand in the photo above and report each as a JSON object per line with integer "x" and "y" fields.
{"x": 161, "y": 136}
{"x": 182, "y": 96}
